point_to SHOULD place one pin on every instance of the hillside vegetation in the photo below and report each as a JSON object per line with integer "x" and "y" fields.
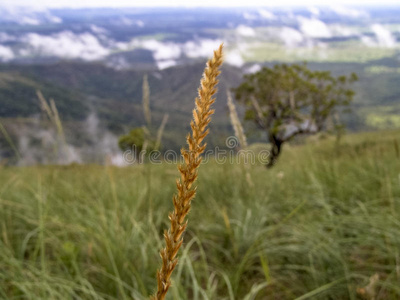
{"x": 115, "y": 96}
{"x": 323, "y": 224}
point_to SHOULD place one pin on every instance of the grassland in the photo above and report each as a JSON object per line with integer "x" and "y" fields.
{"x": 318, "y": 226}
{"x": 349, "y": 52}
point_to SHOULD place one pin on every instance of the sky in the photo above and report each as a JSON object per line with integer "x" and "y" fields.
{"x": 191, "y": 3}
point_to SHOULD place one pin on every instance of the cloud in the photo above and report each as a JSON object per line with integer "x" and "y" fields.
{"x": 164, "y": 64}
{"x": 28, "y": 15}
{"x": 267, "y": 14}
{"x": 200, "y": 48}
{"x": 314, "y": 28}
{"x": 349, "y": 12}
{"x": 166, "y": 54}
{"x": 97, "y": 29}
{"x": 41, "y": 145}
{"x": 64, "y": 44}
{"x": 253, "y": 69}
{"x": 368, "y": 41}
{"x": 314, "y": 11}
{"x": 54, "y": 19}
{"x": 139, "y": 23}
{"x": 117, "y": 159}
{"x": 4, "y": 37}
{"x": 260, "y": 14}
{"x": 384, "y": 36}
{"x": 118, "y": 62}
{"x": 26, "y": 20}
{"x": 340, "y": 30}
{"x": 244, "y": 30}
{"x": 103, "y": 144}
{"x": 234, "y": 58}
{"x": 6, "y": 53}
{"x": 250, "y": 16}
{"x": 291, "y": 37}
{"x": 124, "y": 21}
{"x": 161, "y": 51}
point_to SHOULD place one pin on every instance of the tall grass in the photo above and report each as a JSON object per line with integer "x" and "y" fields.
{"x": 147, "y": 115}
{"x": 318, "y": 226}
{"x": 146, "y": 101}
{"x": 10, "y": 141}
{"x": 235, "y": 121}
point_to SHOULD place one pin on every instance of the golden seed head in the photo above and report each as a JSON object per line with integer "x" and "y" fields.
{"x": 186, "y": 190}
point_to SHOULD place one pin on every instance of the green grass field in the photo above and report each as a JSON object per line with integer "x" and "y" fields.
{"x": 318, "y": 226}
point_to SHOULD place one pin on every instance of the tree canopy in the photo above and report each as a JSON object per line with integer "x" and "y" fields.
{"x": 290, "y": 100}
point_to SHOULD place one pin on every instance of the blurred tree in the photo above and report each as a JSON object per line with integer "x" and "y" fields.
{"x": 137, "y": 140}
{"x": 290, "y": 100}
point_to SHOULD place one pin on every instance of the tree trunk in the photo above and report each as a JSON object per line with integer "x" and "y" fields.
{"x": 275, "y": 150}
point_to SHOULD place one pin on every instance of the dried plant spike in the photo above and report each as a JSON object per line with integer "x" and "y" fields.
{"x": 146, "y": 100}
{"x": 57, "y": 121}
{"x": 185, "y": 185}
{"x": 45, "y": 106}
{"x": 161, "y": 131}
{"x": 235, "y": 121}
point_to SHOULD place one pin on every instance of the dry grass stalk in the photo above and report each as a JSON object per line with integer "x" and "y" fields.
{"x": 57, "y": 121}
{"x": 45, "y": 106}
{"x": 161, "y": 131}
{"x": 146, "y": 100}
{"x": 369, "y": 291}
{"x": 52, "y": 114}
{"x": 239, "y": 132}
{"x": 257, "y": 108}
{"x": 9, "y": 141}
{"x": 185, "y": 185}
{"x": 235, "y": 121}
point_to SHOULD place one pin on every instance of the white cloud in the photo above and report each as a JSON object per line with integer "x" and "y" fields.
{"x": 28, "y": 15}
{"x": 384, "y": 36}
{"x": 126, "y": 21}
{"x": 162, "y": 51}
{"x": 4, "y": 37}
{"x": 54, "y": 19}
{"x": 117, "y": 159}
{"x": 234, "y": 58}
{"x": 249, "y": 16}
{"x": 183, "y": 3}
{"x": 368, "y": 41}
{"x": 163, "y": 64}
{"x": 349, "y": 12}
{"x": 26, "y": 20}
{"x": 314, "y": 11}
{"x": 118, "y": 63}
{"x": 314, "y": 28}
{"x": 97, "y": 29}
{"x": 6, "y": 53}
{"x": 291, "y": 37}
{"x": 266, "y": 14}
{"x": 64, "y": 44}
{"x": 166, "y": 54}
{"x": 253, "y": 69}
{"x": 245, "y": 30}
{"x": 200, "y": 48}
{"x": 340, "y": 30}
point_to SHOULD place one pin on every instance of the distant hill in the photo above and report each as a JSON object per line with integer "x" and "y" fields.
{"x": 115, "y": 96}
